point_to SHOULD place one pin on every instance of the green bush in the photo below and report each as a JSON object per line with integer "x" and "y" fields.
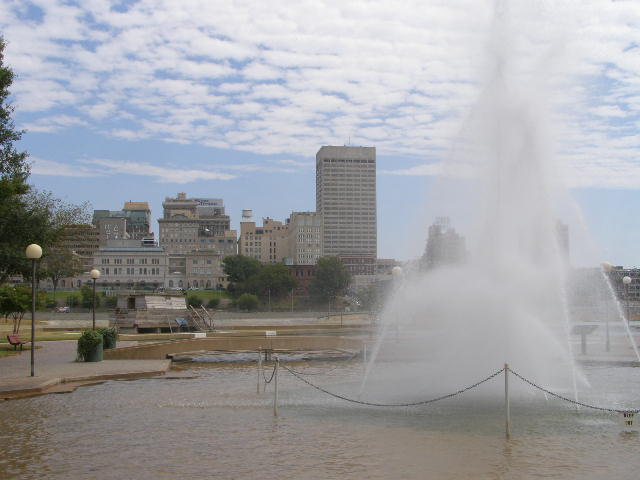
{"x": 72, "y": 301}
{"x": 247, "y": 301}
{"x": 87, "y": 342}
{"x": 111, "y": 302}
{"x": 213, "y": 303}
{"x": 109, "y": 337}
{"x": 194, "y": 301}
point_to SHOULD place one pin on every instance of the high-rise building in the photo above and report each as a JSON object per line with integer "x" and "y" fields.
{"x": 133, "y": 221}
{"x": 346, "y": 200}
{"x": 191, "y": 224}
{"x": 444, "y": 246}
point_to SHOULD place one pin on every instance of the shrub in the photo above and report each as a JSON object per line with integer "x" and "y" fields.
{"x": 194, "y": 301}
{"x": 87, "y": 342}
{"x": 72, "y": 301}
{"x": 247, "y": 301}
{"x": 109, "y": 337}
{"x": 213, "y": 303}
{"x": 111, "y": 302}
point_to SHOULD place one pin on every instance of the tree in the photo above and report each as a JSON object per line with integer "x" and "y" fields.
{"x": 58, "y": 263}
{"x": 15, "y": 302}
{"x": 331, "y": 280}
{"x": 86, "y": 294}
{"x": 274, "y": 279}
{"x": 26, "y": 215}
{"x": 240, "y": 270}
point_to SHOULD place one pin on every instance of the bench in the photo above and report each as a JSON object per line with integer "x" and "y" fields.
{"x": 15, "y": 341}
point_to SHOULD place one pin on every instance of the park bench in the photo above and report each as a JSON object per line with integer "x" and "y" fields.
{"x": 15, "y": 341}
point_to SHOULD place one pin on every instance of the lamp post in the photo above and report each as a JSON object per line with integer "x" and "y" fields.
{"x": 95, "y": 275}
{"x": 33, "y": 253}
{"x": 626, "y": 281}
{"x": 606, "y": 268}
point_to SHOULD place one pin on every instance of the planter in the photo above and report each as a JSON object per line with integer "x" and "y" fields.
{"x": 95, "y": 354}
{"x": 108, "y": 342}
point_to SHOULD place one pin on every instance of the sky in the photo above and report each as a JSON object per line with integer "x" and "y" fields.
{"x": 140, "y": 100}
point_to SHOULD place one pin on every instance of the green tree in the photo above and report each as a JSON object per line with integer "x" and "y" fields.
{"x": 194, "y": 301}
{"x": 331, "y": 280}
{"x": 241, "y": 271}
{"x": 274, "y": 279}
{"x": 58, "y": 263}
{"x": 247, "y": 301}
{"x": 86, "y": 294}
{"x": 26, "y": 215}
{"x": 15, "y": 302}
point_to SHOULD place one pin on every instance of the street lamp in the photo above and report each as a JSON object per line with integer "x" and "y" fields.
{"x": 33, "y": 253}
{"x": 95, "y": 275}
{"x": 606, "y": 269}
{"x": 626, "y": 280}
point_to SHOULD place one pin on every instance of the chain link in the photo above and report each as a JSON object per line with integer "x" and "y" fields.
{"x": 575, "y": 402}
{"x": 272, "y": 374}
{"x": 413, "y": 404}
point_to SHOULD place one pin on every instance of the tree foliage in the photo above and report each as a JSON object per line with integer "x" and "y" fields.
{"x": 26, "y": 215}
{"x": 248, "y": 275}
{"x": 58, "y": 263}
{"x": 247, "y": 301}
{"x": 15, "y": 302}
{"x": 331, "y": 280}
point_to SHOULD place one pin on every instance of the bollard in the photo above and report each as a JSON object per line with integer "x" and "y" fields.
{"x": 275, "y": 386}
{"x": 507, "y": 413}
{"x": 259, "y": 370}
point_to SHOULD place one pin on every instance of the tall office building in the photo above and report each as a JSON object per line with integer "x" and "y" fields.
{"x": 346, "y": 201}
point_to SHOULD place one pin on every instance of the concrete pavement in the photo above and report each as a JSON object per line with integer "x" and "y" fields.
{"x": 55, "y": 365}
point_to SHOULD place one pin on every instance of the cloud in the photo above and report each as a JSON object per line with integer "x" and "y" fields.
{"x": 283, "y": 78}
{"x": 161, "y": 174}
{"x": 41, "y": 166}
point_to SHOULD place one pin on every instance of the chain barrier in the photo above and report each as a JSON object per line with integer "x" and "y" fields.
{"x": 412, "y": 404}
{"x": 575, "y": 402}
{"x": 272, "y": 374}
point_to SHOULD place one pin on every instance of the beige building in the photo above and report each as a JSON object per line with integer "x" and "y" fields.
{"x": 191, "y": 224}
{"x": 268, "y": 243}
{"x": 204, "y": 270}
{"x": 133, "y": 221}
{"x": 298, "y": 241}
{"x": 346, "y": 200}
{"x": 130, "y": 266}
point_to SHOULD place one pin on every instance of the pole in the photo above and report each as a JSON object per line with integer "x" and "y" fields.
{"x": 292, "y": 300}
{"x": 94, "y": 304}
{"x": 275, "y": 386}
{"x": 608, "y": 341}
{"x": 33, "y": 315}
{"x": 269, "y": 290}
{"x": 507, "y": 412}
{"x": 259, "y": 370}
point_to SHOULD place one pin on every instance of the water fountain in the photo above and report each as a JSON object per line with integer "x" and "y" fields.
{"x": 450, "y": 326}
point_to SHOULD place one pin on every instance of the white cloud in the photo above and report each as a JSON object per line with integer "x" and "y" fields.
{"x": 283, "y": 77}
{"x": 41, "y": 166}
{"x": 161, "y": 174}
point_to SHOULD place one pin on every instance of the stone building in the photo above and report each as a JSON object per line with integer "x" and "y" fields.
{"x": 191, "y": 224}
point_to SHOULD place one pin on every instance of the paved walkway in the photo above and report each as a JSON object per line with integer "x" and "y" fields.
{"x": 55, "y": 364}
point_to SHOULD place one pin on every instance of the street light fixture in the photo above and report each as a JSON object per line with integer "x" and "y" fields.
{"x": 33, "y": 253}
{"x": 626, "y": 281}
{"x": 95, "y": 275}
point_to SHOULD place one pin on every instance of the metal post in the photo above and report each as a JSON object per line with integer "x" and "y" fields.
{"x": 94, "y": 303}
{"x": 275, "y": 386}
{"x": 33, "y": 315}
{"x": 259, "y": 370}
{"x": 507, "y": 412}
{"x": 608, "y": 341}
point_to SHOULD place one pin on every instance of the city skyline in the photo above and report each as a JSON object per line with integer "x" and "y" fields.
{"x": 144, "y": 100}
